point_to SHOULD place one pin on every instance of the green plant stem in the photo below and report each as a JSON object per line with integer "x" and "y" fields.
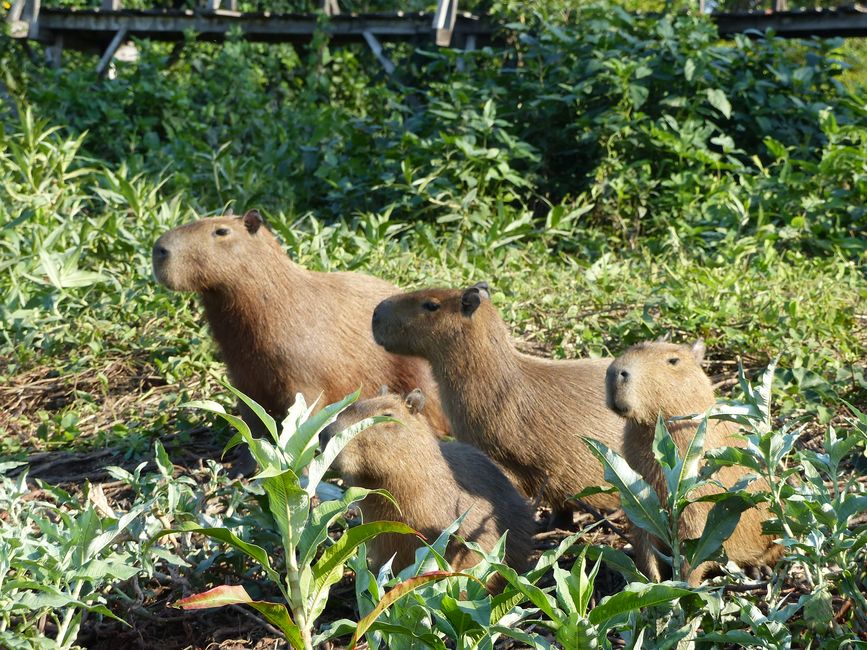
{"x": 64, "y": 630}
{"x": 296, "y": 598}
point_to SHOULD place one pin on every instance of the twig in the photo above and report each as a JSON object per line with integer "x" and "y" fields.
{"x": 252, "y": 616}
{"x": 740, "y": 588}
{"x": 614, "y": 528}
{"x": 843, "y": 610}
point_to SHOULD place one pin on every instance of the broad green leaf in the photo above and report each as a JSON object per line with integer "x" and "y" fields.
{"x": 260, "y": 412}
{"x": 722, "y": 520}
{"x": 664, "y": 449}
{"x": 719, "y": 101}
{"x": 639, "y": 501}
{"x": 535, "y": 641}
{"x": 335, "y": 556}
{"x": 685, "y": 470}
{"x": 617, "y": 560}
{"x": 304, "y": 442}
{"x": 323, "y": 461}
{"x": 290, "y": 505}
{"x": 393, "y": 629}
{"x": 324, "y": 515}
{"x": 257, "y": 553}
{"x": 398, "y": 592}
{"x": 533, "y": 593}
{"x": 634, "y": 597}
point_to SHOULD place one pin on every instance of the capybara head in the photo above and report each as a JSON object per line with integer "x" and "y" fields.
{"x": 211, "y": 253}
{"x": 386, "y": 448}
{"x": 417, "y": 323}
{"x": 653, "y": 378}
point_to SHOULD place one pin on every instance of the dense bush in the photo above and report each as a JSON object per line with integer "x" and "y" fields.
{"x": 653, "y": 122}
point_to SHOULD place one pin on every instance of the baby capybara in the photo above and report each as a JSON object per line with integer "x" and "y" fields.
{"x": 282, "y": 329}
{"x": 650, "y": 379}
{"x": 528, "y": 414}
{"x": 433, "y": 482}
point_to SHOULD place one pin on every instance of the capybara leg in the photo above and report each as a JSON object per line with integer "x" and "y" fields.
{"x": 694, "y": 576}
{"x": 645, "y": 558}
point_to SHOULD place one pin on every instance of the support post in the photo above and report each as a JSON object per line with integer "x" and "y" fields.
{"x": 111, "y": 5}
{"x": 331, "y": 7}
{"x": 444, "y": 21}
{"x": 54, "y": 52}
{"x": 376, "y": 48}
{"x": 781, "y": 5}
{"x": 119, "y": 38}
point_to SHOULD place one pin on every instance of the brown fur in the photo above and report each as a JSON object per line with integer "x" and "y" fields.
{"x": 433, "y": 482}
{"x": 528, "y": 414}
{"x": 667, "y": 379}
{"x": 282, "y": 329}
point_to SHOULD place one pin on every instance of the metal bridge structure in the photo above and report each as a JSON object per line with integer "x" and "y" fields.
{"x": 105, "y": 29}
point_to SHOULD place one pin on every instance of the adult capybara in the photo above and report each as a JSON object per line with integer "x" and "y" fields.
{"x": 528, "y": 414}
{"x": 650, "y": 379}
{"x": 282, "y": 329}
{"x": 433, "y": 482}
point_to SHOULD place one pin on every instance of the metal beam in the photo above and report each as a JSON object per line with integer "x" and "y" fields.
{"x": 116, "y": 42}
{"x": 444, "y": 21}
{"x": 83, "y": 28}
{"x": 376, "y": 48}
{"x": 844, "y": 21}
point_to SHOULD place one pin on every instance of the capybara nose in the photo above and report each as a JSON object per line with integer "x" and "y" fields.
{"x": 624, "y": 375}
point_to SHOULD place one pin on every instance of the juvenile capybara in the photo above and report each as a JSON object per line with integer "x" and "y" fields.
{"x": 528, "y": 414}
{"x": 433, "y": 482}
{"x": 282, "y": 329}
{"x": 652, "y": 379}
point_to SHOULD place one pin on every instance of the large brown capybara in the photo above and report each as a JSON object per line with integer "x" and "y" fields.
{"x": 528, "y": 414}
{"x": 282, "y": 329}
{"x": 433, "y": 482}
{"x": 652, "y": 379}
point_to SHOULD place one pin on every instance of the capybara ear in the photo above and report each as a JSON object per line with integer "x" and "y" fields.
{"x": 383, "y": 390}
{"x": 470, "y": 301}
{"x": 665, "y": 338}
{"x": 252, "y": 221}
{"x": 414, "y": 401}
{"x": 484, "y": 289}
{"x": 698, "y": 349}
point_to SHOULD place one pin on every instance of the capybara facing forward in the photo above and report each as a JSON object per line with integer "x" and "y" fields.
{"x": 282, "y": 329}
{"x": 433, "y": 482}
{"x": 528, "y": 414}
{"x": 656, "y": 378}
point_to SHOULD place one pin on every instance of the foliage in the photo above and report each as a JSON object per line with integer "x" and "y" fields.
{"x": 614, "y": 176}
{"x": 59, "y": 554}
{"x": 303, "y": 527}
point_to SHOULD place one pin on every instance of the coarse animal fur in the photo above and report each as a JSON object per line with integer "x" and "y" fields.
{"x": 528, "y": 414}
{"x": 282, "y": 329}
{"x": 433, "y": 482}
{"x": 656, "y": 378}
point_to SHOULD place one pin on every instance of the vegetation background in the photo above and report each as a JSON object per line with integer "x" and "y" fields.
{"x": 614, "y": 175}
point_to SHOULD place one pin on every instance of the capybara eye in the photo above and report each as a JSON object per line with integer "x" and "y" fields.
{"x": 673, "y": 361}
{"x": 430, "y": 305}
{"x": 222, "y": 232}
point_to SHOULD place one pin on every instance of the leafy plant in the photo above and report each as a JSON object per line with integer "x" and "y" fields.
{"x": 303, "y": 527}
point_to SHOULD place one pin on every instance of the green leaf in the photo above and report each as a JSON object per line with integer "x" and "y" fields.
{"x": 719, "y": 101}
{"x": 257, "y": 553}
{"x": 324, "y": 515}
{"x": 722, "y": 520}
{"x": 398, "y": 592}
{"x": 635, "y": 597}
{"x": 290, "y": 505}
{"x": 617, "y": 560}
{"x": 321, "y": 463}
{"x": 638, "y": 499}
{"x": 335, "y": 556}
{"x": 303, "y": 443}
{"x": 260, "y": 412}
{"x": 533, "y": 593}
